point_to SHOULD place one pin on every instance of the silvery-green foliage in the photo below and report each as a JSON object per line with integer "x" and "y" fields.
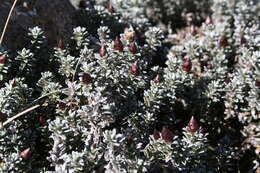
{"x": 191, "y": 153}
{"x": 134, "y": 12}
{"x": 26, "y": 61}
{"x": 80, "y": 36}
{"x": 153, "y": 37}
{"x": 14, "y": 96}
{"x": 103, "y": 33}
{"x": 100, "y": 107}
{"x": 174, "y": 12}
{"x": 37, "y": 36}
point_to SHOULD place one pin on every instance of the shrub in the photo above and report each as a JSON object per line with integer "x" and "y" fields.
{"x": 126, "y": 94}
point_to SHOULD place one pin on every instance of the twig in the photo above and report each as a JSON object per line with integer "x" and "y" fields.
{"x": 20, "y": 114}
{"x": 73, "y": 77}
{"x": 7, "y": 21}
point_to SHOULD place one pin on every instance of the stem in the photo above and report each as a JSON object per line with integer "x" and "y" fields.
{"x": 20, "y": 114}
{"x": 7, "y": 21}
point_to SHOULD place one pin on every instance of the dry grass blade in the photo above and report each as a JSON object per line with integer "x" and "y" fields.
{"x": 19, "y": 114}
{"x": 7, "y": 21}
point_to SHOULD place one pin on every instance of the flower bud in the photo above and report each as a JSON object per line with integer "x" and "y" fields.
{"x": 193, "y": 125}
{"x": 61, "y": 44}
{"x": 210, "y": 66}
{"x": 42, "y": 121}
{"x": 86, "y": 78}
{"x": 209, "y": 20}
{"x": 2, "y": 59}
{"x": 61, "y": 106}
{"x": 2, "y": 117}
{"x": 156, "y": 134}
{"x": 223, "y": 42}
{"x": 82, "y": 4}
{"x": 187, "y": 65}
{"x": 13, "y": 83}
{"x": 167, "y": 135}
{"x": 157, "y": 79}
{"x": 193, "y": 30}
{"x": 243, "y": 40}
{"x": 103, "y": 51}
{"x": 132, "y": 48}
{"x": 118, "y": 45}
{"x": 130, "y": 140}
{"x": 110, "y": 8}
{"x": 129, "y": 35}
{"x": 26, "y": 154}
{"x": 134, "y": 69}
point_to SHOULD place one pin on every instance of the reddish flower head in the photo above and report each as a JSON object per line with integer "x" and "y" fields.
{"x": 243, "y": 40}
{"x": 134, "y": 69}
{"x": 132, "y": 48}
{"x": 156, "y": 134}
{"x": 42, "y": 121}
{"x": 223, "y": 42}
{"x": 61, "y": 44}
{"x": 110, "y": 8}
{"x": 193, "y": 30}
{"x": 86, "y": 78}
{"x": 187, "y": 65}
{"x": 2, "y": 59}
{"x": 103, "y": 51}
{"x": 209, "y": 20}
{"x": 118, "y": 45}
{"x": 157, "y": 79}
{"x": 193, "y": 125}
{"x": 26, "y": 154}
{"x": 167, "y": 135}
{"x": 2, "y": 117}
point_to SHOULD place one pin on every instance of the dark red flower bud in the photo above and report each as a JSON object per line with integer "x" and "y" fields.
{"x": 42, "y": 121}
{"x": 82, "y": 4}
{"x": 2, "y": 117}
{"x": 186, "y": 65}
{"x": 86, "y": 78}
{"x": 26, "y": 154}
{"x": 223, "y": 42}
{"x": 130, "y": 140}
{"x": 209, "y": 20}
{"x": 13, "y": 83}
{"x": 193, "y": 30}
{"x": 227, "y": 80}
{"x": 243, "y": 40}
{"x": 156, "y": 134}
{"x": 210, "y": 66}
{"x": 118, "y": 45}
{"x": 132, "y": 48}
{"x": 167, "y": 135}
{"x": 193, "y": 125}
{"x": 61, "y": 44}
{"x": 110, "y": 8}
{"x": 3, "y": 59}
{"x": 157, "y": 79}
{"x": 257, "y": 83}
{"x": 202, "y": 131}
{"x": 103, "y": 51}
{"x": 134, "y": 69}
{"x": 62, "y": 106}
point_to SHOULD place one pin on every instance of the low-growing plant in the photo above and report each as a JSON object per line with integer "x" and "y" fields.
{"x": 126, "y": 94}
